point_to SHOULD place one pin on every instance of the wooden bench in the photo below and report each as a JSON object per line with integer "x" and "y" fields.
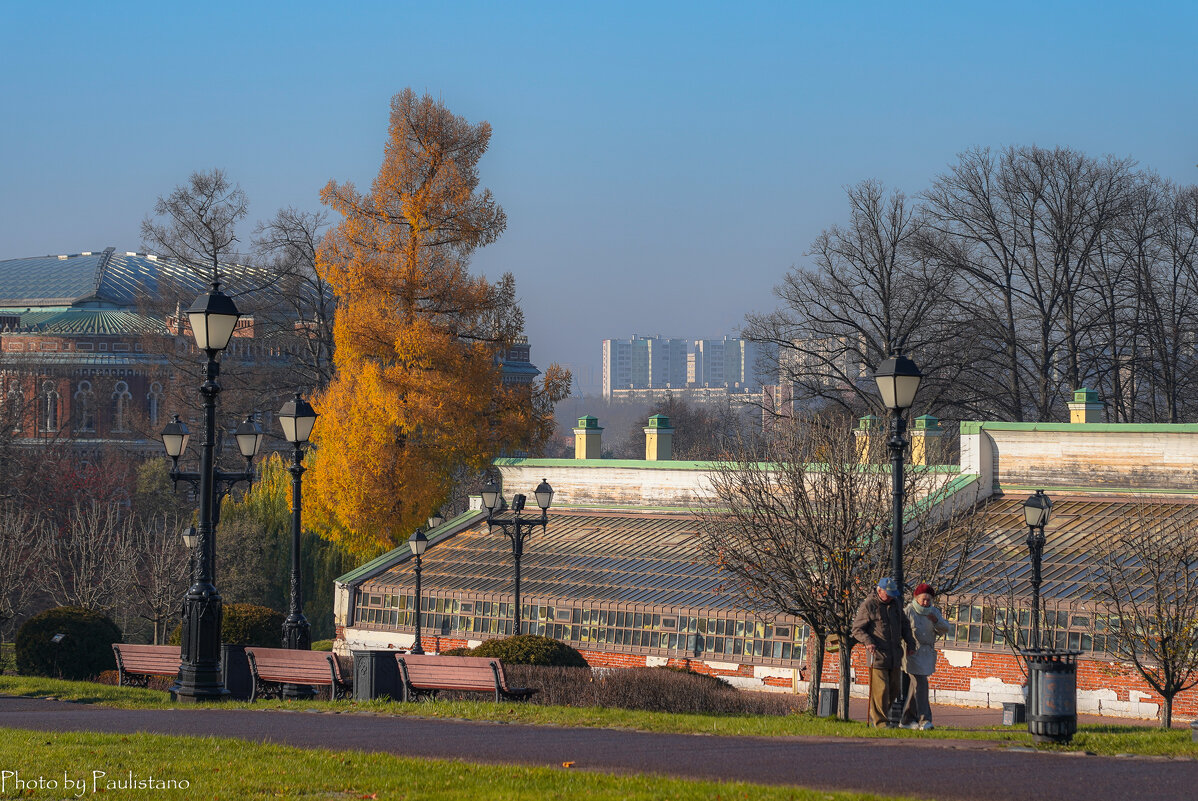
{"x": 136, "y": 663}
{"x": 425, "y": 675}
{"x": 271, "y": 668}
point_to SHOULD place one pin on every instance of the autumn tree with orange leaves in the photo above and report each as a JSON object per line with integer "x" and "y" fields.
{"x": 416, "y": 400}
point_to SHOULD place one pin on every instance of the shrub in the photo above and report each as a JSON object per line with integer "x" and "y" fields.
{"x": 458, "y": 652}
{"x": 652, "y": 689}
{"x": 245, "y": 624}
{"x": 84, "y": 651}
{"x": 322, "y": 645}
{"x": 530, "y": 649}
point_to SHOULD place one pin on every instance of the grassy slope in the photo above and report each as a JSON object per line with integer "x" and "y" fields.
{"x": 1104, "y": 739}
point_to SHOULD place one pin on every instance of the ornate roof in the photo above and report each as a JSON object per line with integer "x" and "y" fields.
{"x": 114, "y": 279}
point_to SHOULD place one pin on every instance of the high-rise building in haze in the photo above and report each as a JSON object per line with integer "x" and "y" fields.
{"x": 679, "y": 364}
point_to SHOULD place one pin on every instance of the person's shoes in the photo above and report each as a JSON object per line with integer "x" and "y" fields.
{"x": 911, "y": 725}
{"x": 926, "y": 725}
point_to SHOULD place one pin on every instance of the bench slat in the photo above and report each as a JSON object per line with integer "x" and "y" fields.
{"x": 429, "y": 673}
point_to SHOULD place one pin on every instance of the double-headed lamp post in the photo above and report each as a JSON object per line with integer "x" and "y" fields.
{"x": 898, "y": 380}
{"x": 297, "y": 417}
{"x": 517, "y": 527}
{"x": 213, "y": 317}
{"x": 1036, "y": 511}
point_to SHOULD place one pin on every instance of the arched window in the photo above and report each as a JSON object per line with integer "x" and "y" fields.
{"x": 120, "y": 407}
{"x": 49, "y": 406}
{"x": 153, "y": 400}
{"x": 85, "y": 407}
{"x": 14, "y": 407}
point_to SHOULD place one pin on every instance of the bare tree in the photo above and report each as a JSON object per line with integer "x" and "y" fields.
{"x": 288, "y": 242}
{"x": 89, "y": 561}
{"x": 198, "y": 221}
{"x": 22, "y": 564}
{"x": 1148, "y": 580}
{"x": 159, "y": 570}
{"x": 800, "y": 525}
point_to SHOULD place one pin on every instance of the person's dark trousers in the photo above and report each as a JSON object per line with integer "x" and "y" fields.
{"x": 917, "y": 708}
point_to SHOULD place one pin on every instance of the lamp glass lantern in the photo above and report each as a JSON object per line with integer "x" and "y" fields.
{"x": 490, "y": 493}
{"x": 213, "y": 317}
{"x": 174, "y": 437}
{"x": 436, "y": 520}
{"x": 898, "y": 380}
{"x": 544, "y": 494}
{"x": 249, "y": 437}
{"x": 1037, "y": 509}
{"x": 418, "y": 542}
{"x": 297, "y": 417}
{"x": 190, "y": 537}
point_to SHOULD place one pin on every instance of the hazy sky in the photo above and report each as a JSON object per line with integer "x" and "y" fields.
{"x": 662, "y": 164}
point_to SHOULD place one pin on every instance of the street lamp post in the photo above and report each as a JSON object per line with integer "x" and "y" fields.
{"x": 517, "y": 527}
{"x": 297, "y": 417}
{"x": 898, "y": 380}
{"x": 1036, "y": 511}
{"x": 213, "y": 317}
{"x": 417, "y": 543}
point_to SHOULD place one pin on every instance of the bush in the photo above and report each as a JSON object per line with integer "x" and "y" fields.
{"x": 245, "y": 624}
{"x": 84, "y": 652}
{"x": 322, "y": 645}
{"x": 651, "y": 689}
{"x": 530, "y": 649}
{"x": 458, "y": 652}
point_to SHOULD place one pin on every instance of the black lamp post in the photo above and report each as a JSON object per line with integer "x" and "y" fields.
{"x": 517, "y": 527}
{"x": 297, "y": 417}
{"x": 1036, "y": 511}
{"x": 417, "y": 543}
{"x": 213, "y": 317}
{"x": 898, "y": 380}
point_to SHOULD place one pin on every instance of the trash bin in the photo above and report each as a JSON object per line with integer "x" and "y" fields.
{"x": 1013, "y": 713}
{"x": 1052, "y": 694}
{"x": 376, "y": 675}
{"x": 235, "y": 672}
{"x": 1194, "y": 731}
{"x": 829, "y": 697}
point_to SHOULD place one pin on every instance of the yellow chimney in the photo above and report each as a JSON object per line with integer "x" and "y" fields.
{"x": 659, "y": 439}
{"x": 925, "y": 432}
{"x": 866, "y": 430}
{"x": 587, "y": 444}
{"x": 1086, "y": 407}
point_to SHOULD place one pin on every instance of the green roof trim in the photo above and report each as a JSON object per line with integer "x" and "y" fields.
{"x": 867, "y": 423}
{"x": 648, "y": 464}
{"x": 363, "y": 572}
{"x": 1093, "y": 490}
{"x": 1084, "y": 395}
{"x": 589, "y": 422}
{"x": 659, "y": 421}
{"x": 975, "y": 426}
{"x": 926, "y": 422}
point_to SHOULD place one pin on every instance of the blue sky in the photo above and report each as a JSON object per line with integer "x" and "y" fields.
{"x": 662, "y": 164}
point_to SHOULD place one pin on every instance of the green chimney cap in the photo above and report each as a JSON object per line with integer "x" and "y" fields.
{"x": 867, "y": 422}
{"x": 1085, "y": 396}
{"x": 587, "y": 421}
{"x": 927, "y": 422}
{"x": 659, "y": 421}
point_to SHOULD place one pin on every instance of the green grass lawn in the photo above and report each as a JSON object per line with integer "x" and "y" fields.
{"x": 1102, "y": 739}
{"x": 216, "y": 768}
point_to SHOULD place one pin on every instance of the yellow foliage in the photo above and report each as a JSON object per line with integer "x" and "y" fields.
{"x": 417, "y": 397}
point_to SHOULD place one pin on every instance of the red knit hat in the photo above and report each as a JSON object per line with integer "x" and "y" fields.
{"x": 923, "y": 589}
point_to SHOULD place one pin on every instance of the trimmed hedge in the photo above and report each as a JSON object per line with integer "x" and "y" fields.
{"x": 84, "y": 652}
{"x": 322, "y": 645}
{"x": 531, "y": 649}
{"x": 245, "y": 624}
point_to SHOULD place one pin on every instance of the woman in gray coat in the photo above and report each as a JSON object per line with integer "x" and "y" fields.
{"x": 927, "y": 623}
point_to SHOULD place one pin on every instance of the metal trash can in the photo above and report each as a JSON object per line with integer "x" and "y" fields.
{"x": 376, "y": 675}
{"x": 1013, "y": 713}
{"x": 1194, "y": 731}
{"x": 1052, "y": 694}
{"x": 829, "y": 698}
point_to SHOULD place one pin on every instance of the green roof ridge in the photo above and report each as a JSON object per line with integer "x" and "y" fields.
{"x": 385, "y": 560}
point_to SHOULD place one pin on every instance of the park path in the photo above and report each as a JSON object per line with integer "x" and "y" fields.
{"x": 944, "y": 770}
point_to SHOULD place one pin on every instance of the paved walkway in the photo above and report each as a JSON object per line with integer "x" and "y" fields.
{"x": 943, "y": 770}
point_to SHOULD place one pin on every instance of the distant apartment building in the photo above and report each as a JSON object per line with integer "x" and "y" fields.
{"x": 646, "y": 366}
{"x": 643, "y": 363}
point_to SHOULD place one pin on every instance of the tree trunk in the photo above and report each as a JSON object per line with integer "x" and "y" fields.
{"x": 846, "y": 664}
{"x": 1167, "y": 712}
{"x": 817, "y": 672}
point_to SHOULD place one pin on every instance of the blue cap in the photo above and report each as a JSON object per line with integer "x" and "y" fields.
{"x": 889, "y": 585}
